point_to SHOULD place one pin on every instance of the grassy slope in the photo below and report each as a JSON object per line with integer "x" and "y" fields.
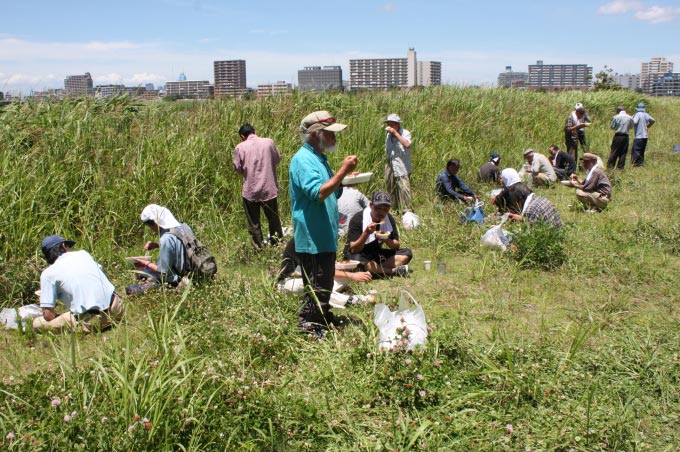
{"x": 584, "y": 357}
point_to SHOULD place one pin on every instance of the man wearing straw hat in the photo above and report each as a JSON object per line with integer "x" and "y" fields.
{"x": 398, "y": 166}
{"x": 314, "y": 190}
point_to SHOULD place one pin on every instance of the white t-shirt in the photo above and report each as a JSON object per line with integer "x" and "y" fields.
{"x": 397, "y": 155}
{"x": 78, "y": 281}
{"x": 351, "y": 202}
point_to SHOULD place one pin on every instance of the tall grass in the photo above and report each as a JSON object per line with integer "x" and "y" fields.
{"x": 580, "y": 357}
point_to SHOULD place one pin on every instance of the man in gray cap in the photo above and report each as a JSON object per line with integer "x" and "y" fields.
{"x": 621, "y": 124}
{"x": 314, "y": 190}
{"x": 642, "y": 121}
{"x": 541, "y": 170}
{"x": 398, "y": 167}
{"x": 75, "y": 278}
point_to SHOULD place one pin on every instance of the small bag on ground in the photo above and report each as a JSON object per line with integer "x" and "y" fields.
{"x": 473, "y": 214}
{"x": 497, "y": 237}
{"x": 406, "y": 324}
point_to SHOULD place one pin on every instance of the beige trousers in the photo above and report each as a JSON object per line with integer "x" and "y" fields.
{"x": 592, "y": 199}
{"x": 88, "y": 322}
{"x": 541, "y": 180}
{"x": 399, "y": 189}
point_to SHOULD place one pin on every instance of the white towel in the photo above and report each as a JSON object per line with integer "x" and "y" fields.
{"x": 367, "y": 219}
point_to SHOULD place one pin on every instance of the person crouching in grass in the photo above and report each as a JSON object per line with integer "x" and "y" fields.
{"x": 368, "y": 231}
{"x": 524, "y": 205}
{"x": 75, "y": 278}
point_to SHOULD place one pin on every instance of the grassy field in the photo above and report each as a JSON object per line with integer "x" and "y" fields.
{"x": 584, "y": 357}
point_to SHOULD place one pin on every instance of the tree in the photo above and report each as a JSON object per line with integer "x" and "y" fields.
{"x": 604, "y": 80}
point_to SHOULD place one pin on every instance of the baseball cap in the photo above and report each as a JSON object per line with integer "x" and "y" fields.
{"x": 51, "y": 241}
{"x": 528, "y": 152}
{"x": 589, "y": 156}
{"x": 641, "y": 107}
{"x": 320, "y": 120}
{"x": 495, "y": 157}
{"x": 393, "y": 118}
{"x": 381, "y": 198}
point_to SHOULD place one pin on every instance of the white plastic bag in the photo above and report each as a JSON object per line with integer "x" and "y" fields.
{"x": 497, "y": 237}
{"x": 410, "y": 220}
{"x": 8, "y": 316}
{"x": 407, "y": 325}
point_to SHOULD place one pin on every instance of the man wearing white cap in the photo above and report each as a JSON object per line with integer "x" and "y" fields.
{"x": 398, "y": 167}
{"x": 574, "y": 124}
{"x": 314, "y": 190}
{"x": 642, "y": 121}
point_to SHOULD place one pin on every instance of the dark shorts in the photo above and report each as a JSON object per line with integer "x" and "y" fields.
{"x": 382, "y": 255}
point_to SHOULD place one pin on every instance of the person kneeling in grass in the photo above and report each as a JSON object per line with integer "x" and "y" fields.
{"x": 172, "y": 264}
{"x": 290, "y": 280}
{"x": 368, "y": 231}
{"x": 524, "y": 205}
{"x": 449, "y": 186}
{"x": 595, "y": 191}
{"x": 75, "y": 278}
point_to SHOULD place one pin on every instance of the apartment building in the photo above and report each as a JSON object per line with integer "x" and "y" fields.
{"x": 319, "y": 79}
{"x": 189, "y": 89}
{"x": 511, "y": 79}
{"x": 653, "y": 70}
{"x": 384, "y": 73}
{"x": 628, "y": 81}
{"x": 429, "y": 73}
{"x": 280, "y": 88}
{"x": 79, "y": 85}
{"x": 667, "y": 85}
{"x": 555, "y": 77}
{"x": 230, "y": 78}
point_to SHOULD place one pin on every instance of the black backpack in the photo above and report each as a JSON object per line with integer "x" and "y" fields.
{"x": 201, "y": 263}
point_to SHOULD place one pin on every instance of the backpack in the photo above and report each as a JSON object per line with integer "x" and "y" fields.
{"x": 201, "y": 263}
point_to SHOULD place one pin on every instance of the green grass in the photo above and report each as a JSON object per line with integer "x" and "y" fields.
{"x": 584, "y": 356}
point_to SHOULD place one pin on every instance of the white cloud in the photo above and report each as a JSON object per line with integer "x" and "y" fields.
{"x": 651, "y": 14}
{"x": 658, "y": 14}
{"x": 620, "y": 7}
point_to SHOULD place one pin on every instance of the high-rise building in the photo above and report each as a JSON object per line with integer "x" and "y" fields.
{"x": 628, "y": 81}
{"x": 560, "y": 76}
{"x": 510, "y": 79}
{"x": 79, "y": 85}
{"x": 318, "y": 79}
{"x": 274, "y": 89}
{"x": 189, "y": 89}
{"x": 383, "y": 73}
{"x": 102, "y": 91}
{"x": 230, "y": 78}
{"x": 652, "y": 71}
{"x": 667, "y": 85}
{"x": 429, "y": 73}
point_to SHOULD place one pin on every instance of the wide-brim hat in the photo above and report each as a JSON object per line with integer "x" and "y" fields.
{"x": 588, "y": 156}
{"x": 641, "y": 107}
{"x": 393, "y": 118}
{"x": 320, "y": 120}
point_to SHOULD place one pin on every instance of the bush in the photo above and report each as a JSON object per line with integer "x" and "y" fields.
{"x": 540, "y": 246}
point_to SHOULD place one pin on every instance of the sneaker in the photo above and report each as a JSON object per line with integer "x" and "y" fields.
{"x": 313, "y": 329}
{"x": 401, "y": 270}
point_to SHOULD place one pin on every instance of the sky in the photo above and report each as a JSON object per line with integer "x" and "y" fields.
{"x": 152, "y": 41}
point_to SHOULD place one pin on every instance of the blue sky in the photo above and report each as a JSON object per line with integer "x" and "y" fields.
{"x": 152, "y": 41}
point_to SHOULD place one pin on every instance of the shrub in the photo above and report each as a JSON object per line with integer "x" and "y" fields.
{"x": 540, "y": 246}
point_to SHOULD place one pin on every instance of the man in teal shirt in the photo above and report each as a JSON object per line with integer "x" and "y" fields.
{"x": 314, "y": 191}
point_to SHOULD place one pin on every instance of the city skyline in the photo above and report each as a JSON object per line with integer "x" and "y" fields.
{"x": 152, "y": 42}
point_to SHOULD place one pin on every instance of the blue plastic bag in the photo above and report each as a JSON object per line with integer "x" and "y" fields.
{"x": 473, "y": 214}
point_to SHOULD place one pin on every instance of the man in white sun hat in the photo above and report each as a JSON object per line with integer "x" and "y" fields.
{"x": 314, "y": 190}
{"x": 398, "y": 166}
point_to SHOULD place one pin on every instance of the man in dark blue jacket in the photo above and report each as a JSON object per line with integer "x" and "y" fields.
{"x": 449, "y": 185}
